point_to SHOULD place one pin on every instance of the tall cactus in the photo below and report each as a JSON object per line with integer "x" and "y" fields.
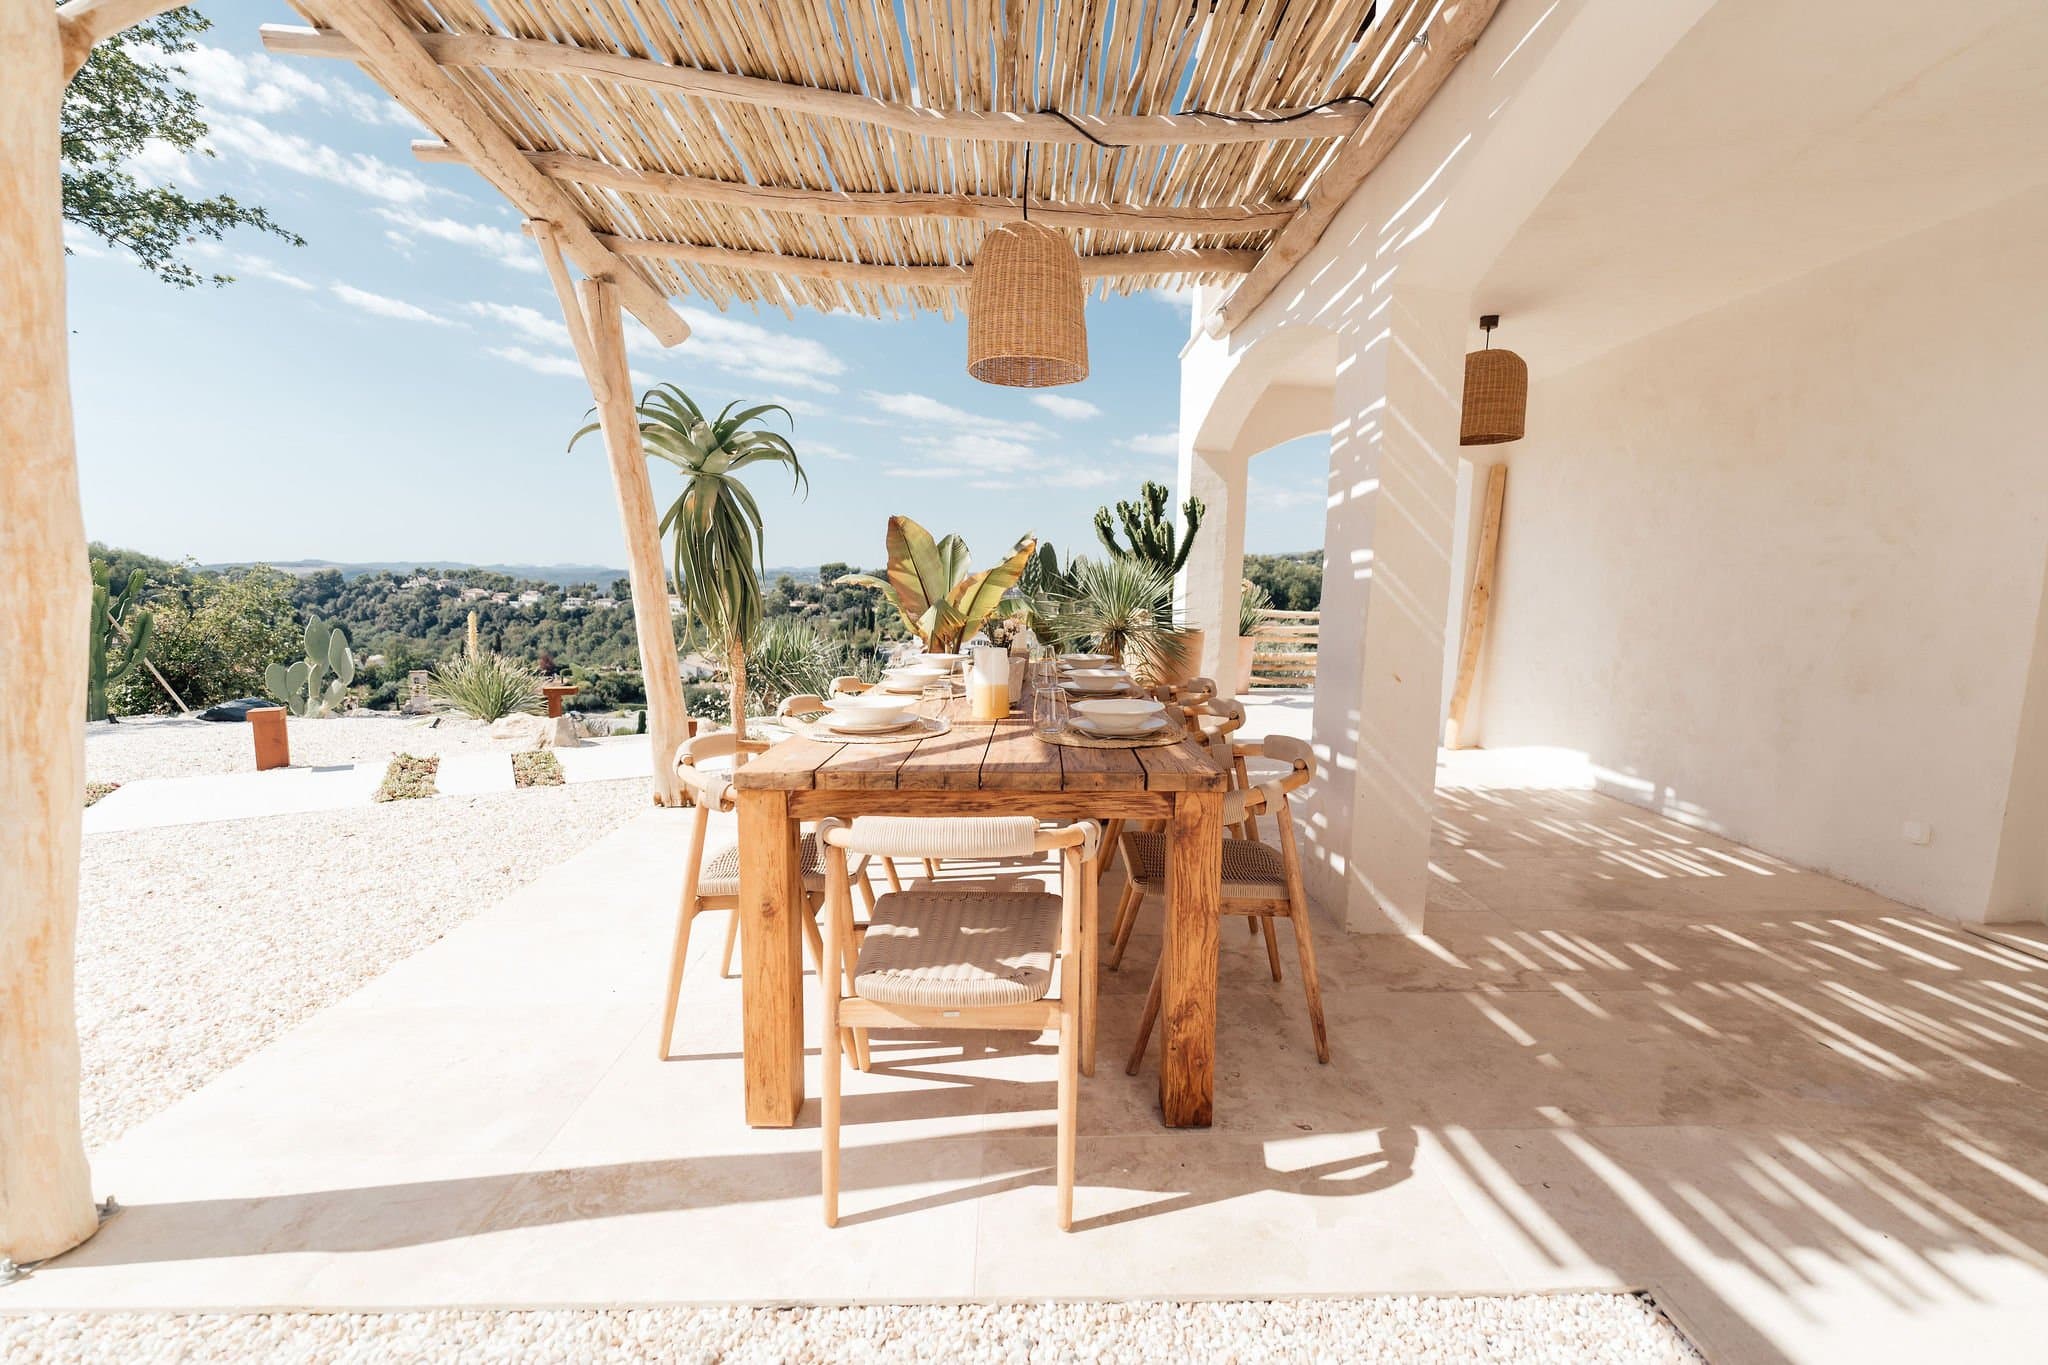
{"x": 300, "y": 687}
{"x": 1150, "y": 530}
{"x": 115, "y": 613}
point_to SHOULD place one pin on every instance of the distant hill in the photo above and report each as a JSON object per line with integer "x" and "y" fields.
{"x": 560, "y": 575}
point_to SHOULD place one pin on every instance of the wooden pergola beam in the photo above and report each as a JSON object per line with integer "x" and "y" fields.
{"x": 1204, "y": 261}
{"x": 895, "y": 204}
{"x": 378, "y": 36}
{"x": 81, "y": 23}
{"x": 537, "y": 57}
{"x": 1443, "y": 45}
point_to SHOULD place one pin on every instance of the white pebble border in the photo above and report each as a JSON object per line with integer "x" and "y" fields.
{"x": 1539, "y": 1329}
{"x": 199, "y": 944}
{"x": 174, "y": 746}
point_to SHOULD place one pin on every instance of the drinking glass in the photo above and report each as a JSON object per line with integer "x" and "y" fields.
{"x": 932, "y": 701}
{"x": 1048, "y": 711}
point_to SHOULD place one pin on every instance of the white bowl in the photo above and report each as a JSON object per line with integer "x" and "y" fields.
{"x": 914, "y": 678}
{"x": 1085, "y": 660}
{"x": 1121, "y": 716}
{"x": 1097, "y": 679}
{"x": 867, "y": 706}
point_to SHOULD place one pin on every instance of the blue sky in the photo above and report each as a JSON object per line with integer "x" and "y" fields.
{"x": 400, "y": 387}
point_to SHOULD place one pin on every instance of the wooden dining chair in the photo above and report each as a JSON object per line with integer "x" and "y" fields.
{"x": 713, "y": 883}
{"x": 961, "y": 956}
{"x": 1259, "y": 880}
{"x": 803, "y": 703}
{"x": 848, "y": 685}
{"x": 1216, "y": 718}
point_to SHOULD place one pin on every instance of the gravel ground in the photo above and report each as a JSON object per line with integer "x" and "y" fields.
{"x": 199, "y": 944}
{"x": 1593, "y": 1329}
{"x": 172, "y": 746}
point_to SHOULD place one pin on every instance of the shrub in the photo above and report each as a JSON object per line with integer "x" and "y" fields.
{"x": 785, "y": 657}
{"x": 95, "y": 790}
{"x": 536, "y": 768}
{"x": 487, "y": 686}
{"x": 705, "y": 701}
{"x": 385, "y": 696}
{"x": 214, "y": 637}
{"x": 408, "y": 777}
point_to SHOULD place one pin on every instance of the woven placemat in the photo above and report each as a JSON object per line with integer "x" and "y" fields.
{"x": 1074, "y": 739}
{"x": 818, "y": 730}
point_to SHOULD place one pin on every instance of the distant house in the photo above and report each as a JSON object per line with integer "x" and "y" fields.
{"x": 474, "y": 594}
{"x": 675, "y": 605}
{"x": 575, "y": 603}
{"x": 602, "y": 604}
{"x": 529, "y": 598}
{"x": 501, "y": 597}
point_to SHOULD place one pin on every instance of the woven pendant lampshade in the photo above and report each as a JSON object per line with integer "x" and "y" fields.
{"x": 1496, "y": 393}
{"x": 1025, "y": 323}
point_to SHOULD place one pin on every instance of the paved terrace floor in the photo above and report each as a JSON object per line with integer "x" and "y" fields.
{"x": 1627, "y": 1054}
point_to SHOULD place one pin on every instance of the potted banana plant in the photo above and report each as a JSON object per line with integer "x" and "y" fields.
{"x": 930, "y": 584}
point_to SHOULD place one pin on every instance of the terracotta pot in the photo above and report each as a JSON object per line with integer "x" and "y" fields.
{"x": 1190, "y": 663}
{"x": 273, "y": 742}
{"x": 1246, "y": 645}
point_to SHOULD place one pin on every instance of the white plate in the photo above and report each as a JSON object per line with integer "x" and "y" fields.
{"x": 845, "y": 725}
{"x": 1100, "y": 693}
{"x": 1151, "y": 726}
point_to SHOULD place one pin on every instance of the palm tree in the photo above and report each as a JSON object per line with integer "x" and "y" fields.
{"x": 715, "y": 521}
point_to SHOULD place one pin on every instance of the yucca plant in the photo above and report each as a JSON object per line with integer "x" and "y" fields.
{"x": 487, "y": 686}
{"x": 929, "y": 584}
{"x": 715, "y": 522}
{"x": 1253, "y": 602}
{"x": 1115, "y": 605}
{"x": 786, "y": 657}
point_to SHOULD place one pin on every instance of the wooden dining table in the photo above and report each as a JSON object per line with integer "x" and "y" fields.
{"x": 975, "y": 768}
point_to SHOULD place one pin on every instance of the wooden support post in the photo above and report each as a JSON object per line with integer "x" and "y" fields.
{"x": 653, "y": 622}
{"x": 1478, "y": 606}
{"x": 597, "y": 332}
{"x": 46, "y": 1204}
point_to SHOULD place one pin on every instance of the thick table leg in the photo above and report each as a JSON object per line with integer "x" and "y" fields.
{"x": 1194, "y": 889}
{"x": 771, "y": 958}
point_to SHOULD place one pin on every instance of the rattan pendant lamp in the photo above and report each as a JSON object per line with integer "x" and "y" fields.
{"x": 1026, "y": 323}
{"x": 1496, "y": 393}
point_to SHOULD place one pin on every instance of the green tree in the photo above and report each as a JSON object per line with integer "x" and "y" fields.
{"x": 118, "y": 103}
{"x": 213, "y": 640}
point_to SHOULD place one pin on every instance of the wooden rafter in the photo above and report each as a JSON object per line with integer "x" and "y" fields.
{"x": 81, "y": 23}
{"x": 894, "y": 204}
{"x": 1210, "y": 261}
{"x": 391, "y": 48}
{"x": 1422, "y": 71}
{"x": 536, "y": 57}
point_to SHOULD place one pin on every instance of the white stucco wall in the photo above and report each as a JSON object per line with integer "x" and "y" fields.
{"x": 1779, "y": 568}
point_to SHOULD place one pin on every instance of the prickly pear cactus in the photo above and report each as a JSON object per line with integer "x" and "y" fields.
{"x": 304, "y": 687}
{"x": 115, "y": 613}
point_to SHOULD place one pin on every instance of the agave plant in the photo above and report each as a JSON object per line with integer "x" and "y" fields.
{"x": 487, "y": 686}
{"x": 1115, "y": 605}
{"x": 715, "y": 522}
{"x": 929, "y": 584}
{"x": 787, "y": 656}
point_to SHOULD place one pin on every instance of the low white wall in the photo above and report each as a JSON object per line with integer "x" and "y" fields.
{"x": 1779, "y": 568}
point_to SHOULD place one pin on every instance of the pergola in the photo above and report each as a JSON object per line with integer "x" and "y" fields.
{"x": 832, "y": 154}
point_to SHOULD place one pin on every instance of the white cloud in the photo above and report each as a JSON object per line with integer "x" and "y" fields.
{"x": 257, "y": 83}
{"x": 1071, "y": 409}
{"x": 158, "y": 163}
{"x": 754, "y": 352}
{"x": 501, "y": 245}
{"x": 530, "y": 323}
{"x": 1181, "y": 301}
{"x": 365, "y": 175}
{"x": 541, "y": 362}
{"x": 252, "y": 267}
{"x": 1154, "y": 443}
{"x": 931, "y": 413}
{"x": 383, "y": 307}
{"x": 80, "y": 242}
{"x": 1282, "y": 497}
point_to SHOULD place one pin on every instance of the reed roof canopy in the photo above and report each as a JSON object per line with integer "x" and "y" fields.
{"x": 850, "y": 155}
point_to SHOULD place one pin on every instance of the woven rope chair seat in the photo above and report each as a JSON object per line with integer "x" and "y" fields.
{"x": 1252, "y": 871}
{"x": 721, "y": 875}
{"x": 959, "y": 949}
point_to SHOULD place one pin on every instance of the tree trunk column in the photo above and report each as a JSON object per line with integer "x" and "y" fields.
{"x": 1206, "y": 592}
{"x": 1386, "y": 592}
{"x": 653, "y": 623}
{"x": 46, "y": 1201}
